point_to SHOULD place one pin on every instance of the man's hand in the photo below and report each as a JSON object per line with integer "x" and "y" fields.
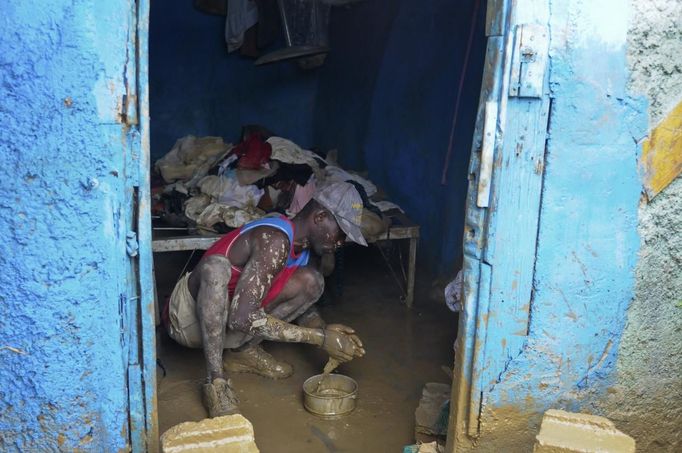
{"x": 341, "y": 343}
{"x": 351, "y": 333}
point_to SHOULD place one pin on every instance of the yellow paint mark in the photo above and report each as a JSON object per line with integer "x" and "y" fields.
{"x": 661, "y": 160}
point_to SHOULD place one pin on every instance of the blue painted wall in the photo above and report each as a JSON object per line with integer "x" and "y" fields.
{"x": 197, "y": 88}
{"x": 359, "y": 36}
{"x": 385, "y": 98}
{"x": 587, "y": 242}
{"x": 62, "y": 374}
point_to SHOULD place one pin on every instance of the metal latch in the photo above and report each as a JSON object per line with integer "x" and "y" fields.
{"x": 529, "y": 61}
{"x": 485, "y": 172}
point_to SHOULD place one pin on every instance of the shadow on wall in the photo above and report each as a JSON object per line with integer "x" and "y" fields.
{"x": 386, "y": 99}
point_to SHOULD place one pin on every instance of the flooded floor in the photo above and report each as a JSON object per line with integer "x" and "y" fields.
{"x": 405, "y": 350}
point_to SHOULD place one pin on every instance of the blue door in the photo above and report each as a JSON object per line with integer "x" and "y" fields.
{"x": 503, "y": 206}
{"x": 77, "y": 359}
{"x": 139, "y": 299}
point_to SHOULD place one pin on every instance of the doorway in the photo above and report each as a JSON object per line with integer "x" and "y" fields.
{"x": 385, "y": 100}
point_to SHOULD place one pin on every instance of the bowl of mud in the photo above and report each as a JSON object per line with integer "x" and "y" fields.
{"x": 330, "y": 396}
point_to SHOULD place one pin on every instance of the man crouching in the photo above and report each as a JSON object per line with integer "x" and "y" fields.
{"x": 253, "y": 282}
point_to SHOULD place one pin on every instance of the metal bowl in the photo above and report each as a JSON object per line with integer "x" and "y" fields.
{"x": 335, "y": 397}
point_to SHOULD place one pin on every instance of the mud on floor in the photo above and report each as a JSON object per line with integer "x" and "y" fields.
{"x": 405, "y": 349}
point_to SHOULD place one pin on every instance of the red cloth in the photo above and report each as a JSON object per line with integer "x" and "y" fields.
{"x": 253, "y": 153}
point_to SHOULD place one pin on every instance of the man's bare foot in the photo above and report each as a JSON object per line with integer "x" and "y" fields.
{"x": 219, "y": 398}
{"x": 255, "y": 360}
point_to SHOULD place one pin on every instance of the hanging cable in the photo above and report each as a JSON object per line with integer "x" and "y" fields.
{"x": 465, "y": 65}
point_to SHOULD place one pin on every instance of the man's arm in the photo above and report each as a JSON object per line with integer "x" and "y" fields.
{"x": 268, "y": 256}
{"x": 312, "y": 318}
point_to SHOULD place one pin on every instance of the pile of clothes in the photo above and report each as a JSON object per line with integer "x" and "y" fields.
{"x": 213, "y": 186}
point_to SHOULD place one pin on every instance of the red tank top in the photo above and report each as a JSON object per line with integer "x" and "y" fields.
{"x": 223, "y": 245}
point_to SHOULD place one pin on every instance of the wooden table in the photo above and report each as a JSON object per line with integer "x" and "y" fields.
{"x": 402, "y": 228}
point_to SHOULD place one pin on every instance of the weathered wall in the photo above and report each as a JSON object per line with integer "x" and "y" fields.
{"x": 587, "y": 242}
{"x": 646, "y": 401}
{"x": 654, "y": 49}
{"x": 62, "y": 376}
{"x": 386, "y": 100}
{"x": 197, "y": 88}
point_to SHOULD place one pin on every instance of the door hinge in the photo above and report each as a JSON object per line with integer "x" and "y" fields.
{"x": 529, "y": 61}
{"x": 129, "y": 108}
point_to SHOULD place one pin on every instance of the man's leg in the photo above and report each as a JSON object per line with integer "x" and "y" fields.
{"x": 304, "y": 288}
{"x": 311, "y": 319}
{"x": 208, "y": 285}
{"x": 301, "y": 291}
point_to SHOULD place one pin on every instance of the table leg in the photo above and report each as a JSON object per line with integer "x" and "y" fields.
{"x": 411, "y": 269}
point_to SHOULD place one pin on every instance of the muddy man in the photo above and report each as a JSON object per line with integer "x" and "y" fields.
{"x": 254, "y": 283}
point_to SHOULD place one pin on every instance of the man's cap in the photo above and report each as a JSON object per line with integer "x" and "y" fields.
{"x": 343, "y": 201}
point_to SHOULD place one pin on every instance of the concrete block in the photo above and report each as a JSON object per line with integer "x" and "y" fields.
{"x": 228, "y": 434}
{"x": 567, "y": 432}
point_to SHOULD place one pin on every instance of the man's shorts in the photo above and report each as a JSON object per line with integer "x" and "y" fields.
{"x": 182, "y": 322}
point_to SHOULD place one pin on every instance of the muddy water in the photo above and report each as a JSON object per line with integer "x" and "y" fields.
{"x": 405, "y": 349}
{"x": 330, "y": 392}
{"x": 331, "y": 365}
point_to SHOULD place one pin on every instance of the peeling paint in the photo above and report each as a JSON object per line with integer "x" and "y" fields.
{"x": 644, "y": 399}
{"x": 661, "y": 160}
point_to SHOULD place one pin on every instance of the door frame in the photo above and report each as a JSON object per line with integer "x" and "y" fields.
{"x": 506, "y": 175}
{"x": 142, "y": 391}
{"x": 484, "y": 221}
